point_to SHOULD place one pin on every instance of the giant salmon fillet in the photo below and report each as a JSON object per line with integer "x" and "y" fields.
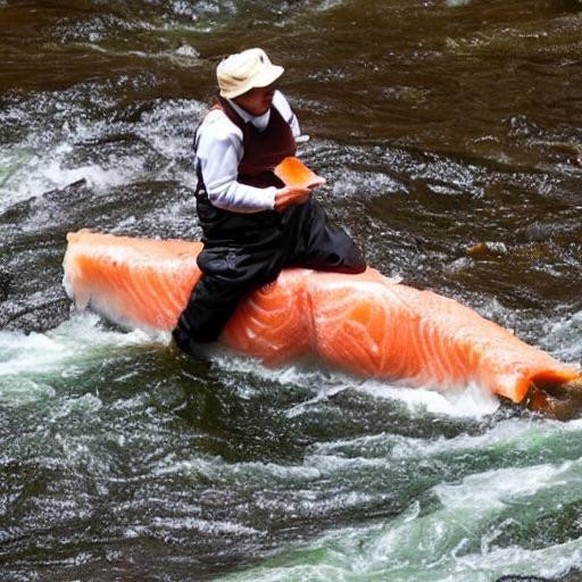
{"x": 363, "y": 324}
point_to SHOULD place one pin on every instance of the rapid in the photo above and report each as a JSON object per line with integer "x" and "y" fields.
{"x": 450, "y": 135}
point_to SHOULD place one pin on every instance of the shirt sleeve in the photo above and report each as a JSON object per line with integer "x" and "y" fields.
{"x": 286, "y": 112}
{"x": 219, "y": 151}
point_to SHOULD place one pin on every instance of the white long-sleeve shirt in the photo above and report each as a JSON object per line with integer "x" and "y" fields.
{"x": 219, "y": 150}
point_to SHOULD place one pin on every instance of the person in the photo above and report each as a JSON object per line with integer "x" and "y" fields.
{"x": 253, "y": 225}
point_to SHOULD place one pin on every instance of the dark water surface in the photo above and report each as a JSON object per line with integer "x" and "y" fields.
{"x": 439, "y": 125}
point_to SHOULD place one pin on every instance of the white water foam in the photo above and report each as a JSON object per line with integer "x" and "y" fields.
{"x": 461, "y": 540}
{"x": 37, "y": 172}
{"x": 472, "y": 402}
{"x": 27, "y": 359}
{"x": 50, "y": 158}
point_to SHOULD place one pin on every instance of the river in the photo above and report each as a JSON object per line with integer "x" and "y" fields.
{"x": 450, "y": 134}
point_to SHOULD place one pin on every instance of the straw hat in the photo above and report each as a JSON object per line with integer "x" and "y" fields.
{"x": 244, "y": 71}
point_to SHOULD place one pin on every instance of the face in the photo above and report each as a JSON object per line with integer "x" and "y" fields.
{"x": 257, "y": 101}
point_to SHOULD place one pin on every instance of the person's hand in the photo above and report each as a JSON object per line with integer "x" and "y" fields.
{"x": 290, "y": 195}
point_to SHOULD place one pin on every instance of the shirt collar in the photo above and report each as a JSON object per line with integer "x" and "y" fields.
{"x": 259, "y": 121}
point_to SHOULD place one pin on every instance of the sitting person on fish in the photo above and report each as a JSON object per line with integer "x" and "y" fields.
{"x": 253, "y": 224}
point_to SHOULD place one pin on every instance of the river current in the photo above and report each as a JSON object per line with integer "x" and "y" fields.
{"x": 450, "y": 134}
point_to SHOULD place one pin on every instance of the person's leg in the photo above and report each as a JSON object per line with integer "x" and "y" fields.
{"x": 210, "y": 306}
{"x": 229, "y": 275}
{"x": 316, "y": 244}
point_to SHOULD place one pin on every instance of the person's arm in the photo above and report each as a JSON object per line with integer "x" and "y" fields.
{"x": 219, "y": 151}
{"x": 289, "y": 195}
{"x": 282, "y": 105}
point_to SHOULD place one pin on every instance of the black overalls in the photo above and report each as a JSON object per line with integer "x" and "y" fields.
{"x": 242, "y": 251}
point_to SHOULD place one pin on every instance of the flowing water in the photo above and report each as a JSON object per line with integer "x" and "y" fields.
{"x": 450, "y": 132}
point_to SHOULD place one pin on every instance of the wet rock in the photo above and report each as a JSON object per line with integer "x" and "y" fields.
{"x": 487, "y": 249}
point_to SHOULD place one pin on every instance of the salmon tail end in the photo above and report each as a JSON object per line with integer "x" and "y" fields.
{"x": 556, "y": 396}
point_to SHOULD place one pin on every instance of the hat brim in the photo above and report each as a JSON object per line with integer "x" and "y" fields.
{"x": 263, "y": 79}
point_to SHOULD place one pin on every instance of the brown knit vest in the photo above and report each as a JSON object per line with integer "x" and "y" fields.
{"x": 263, "y": 150}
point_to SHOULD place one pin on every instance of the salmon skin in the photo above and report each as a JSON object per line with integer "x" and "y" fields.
{"x": 365, "y": 324}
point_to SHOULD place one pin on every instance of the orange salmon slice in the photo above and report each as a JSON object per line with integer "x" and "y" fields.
{"x": 293, "y": 172}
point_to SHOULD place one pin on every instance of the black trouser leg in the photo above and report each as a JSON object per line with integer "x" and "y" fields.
{"x": 210, "y": 306}
{"x": 229, "y": 275}
{"x": 314, "y": 243}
